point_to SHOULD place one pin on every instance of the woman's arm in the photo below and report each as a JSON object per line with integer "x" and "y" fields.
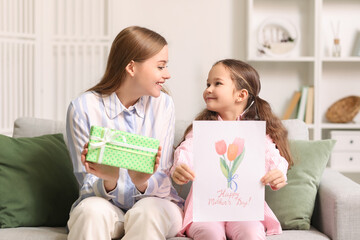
{"x": 159, "y": 184}
{"x": 109, "y": 174}
{"x": 139, "y": 179}
{"x": 78, "y": 130}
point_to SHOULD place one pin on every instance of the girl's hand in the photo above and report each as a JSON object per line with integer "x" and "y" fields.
{"x": 109, "y": 174}
{"x": 183, "y": 174}
{"x": 275, "y": 178}
{"x": 140, "y": 179}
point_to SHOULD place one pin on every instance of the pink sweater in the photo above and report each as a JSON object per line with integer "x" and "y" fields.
{"x": 273, "y": 159}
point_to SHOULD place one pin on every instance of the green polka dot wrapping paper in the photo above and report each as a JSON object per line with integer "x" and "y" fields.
{"x": 122, "y": 149}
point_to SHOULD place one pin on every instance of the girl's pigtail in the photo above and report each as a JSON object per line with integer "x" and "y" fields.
{"x": 274, "y": 128}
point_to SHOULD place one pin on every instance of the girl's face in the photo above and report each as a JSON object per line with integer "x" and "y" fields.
{"x": 150, "y": 75}
{"x": 220, "y": 94}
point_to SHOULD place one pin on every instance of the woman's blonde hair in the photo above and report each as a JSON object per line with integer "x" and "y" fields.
{"x": 131, "y": 44}
{"x": 246, "y": 77}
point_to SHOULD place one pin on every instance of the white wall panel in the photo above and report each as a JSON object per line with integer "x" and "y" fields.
{"x": 50, "y": 52}
{"x": 77, "y": 67}
{"x": 76, "y": 41}
{"x": 17, "y": 43}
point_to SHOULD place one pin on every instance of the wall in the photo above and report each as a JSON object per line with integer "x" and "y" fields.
{"x": 70, "y": 41}
{"x": 198, "y": 32}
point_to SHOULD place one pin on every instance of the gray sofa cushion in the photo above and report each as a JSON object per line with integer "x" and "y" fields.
{"x": 34, "y": 233}
{"x": 45, "y": 233}
{"x": 33, "y": 127}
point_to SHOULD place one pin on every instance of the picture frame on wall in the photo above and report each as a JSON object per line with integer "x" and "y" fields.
{"x": 277, "y": 37}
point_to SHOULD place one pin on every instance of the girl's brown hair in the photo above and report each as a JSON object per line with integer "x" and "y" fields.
{"x": 131, "y": 44}
{"x": 246, "y": 77}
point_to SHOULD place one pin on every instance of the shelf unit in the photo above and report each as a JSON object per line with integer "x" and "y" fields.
{"x": 310, "y": 63}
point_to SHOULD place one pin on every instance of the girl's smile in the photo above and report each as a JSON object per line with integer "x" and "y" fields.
{"x": 209, "y": 99}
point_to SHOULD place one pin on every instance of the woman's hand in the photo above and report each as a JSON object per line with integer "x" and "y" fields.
{"x": 275, "y": 178}
{"x": 183, "y": 174}
{"x": 140, "y": 179}
{"x": 108, "y": 173}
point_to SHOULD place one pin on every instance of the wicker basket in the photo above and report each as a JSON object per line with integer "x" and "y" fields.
{"x": 344, "y": 110}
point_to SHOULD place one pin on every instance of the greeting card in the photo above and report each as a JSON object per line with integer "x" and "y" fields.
{"x": 229, "y": 161}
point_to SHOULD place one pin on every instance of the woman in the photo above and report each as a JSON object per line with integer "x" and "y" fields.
{"x": 117, "y": 202}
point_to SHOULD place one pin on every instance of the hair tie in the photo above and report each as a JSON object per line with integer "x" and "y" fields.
{"x": 247, "y": 109}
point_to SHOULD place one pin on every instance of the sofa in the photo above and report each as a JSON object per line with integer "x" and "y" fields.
{"x": 336, "y": 213}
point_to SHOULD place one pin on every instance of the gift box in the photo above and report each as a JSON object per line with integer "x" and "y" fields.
{"x": 122, "y": 149}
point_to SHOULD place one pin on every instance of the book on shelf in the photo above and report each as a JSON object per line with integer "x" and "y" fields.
{"x": 292, "y": 105}
{"x": 302, "y": 103}
{"x": 309, "y": 114}
{"x": 356, "y": 47}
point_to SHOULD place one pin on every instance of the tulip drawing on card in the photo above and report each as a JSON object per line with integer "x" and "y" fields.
{"x": 230, "y": 162}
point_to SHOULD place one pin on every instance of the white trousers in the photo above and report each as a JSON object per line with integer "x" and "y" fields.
{"x": 150, "y": 218}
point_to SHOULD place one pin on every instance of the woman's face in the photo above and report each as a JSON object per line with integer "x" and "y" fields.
{"x": 151, "y": 74}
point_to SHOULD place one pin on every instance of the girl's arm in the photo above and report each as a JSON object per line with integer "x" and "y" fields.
{"x": 275, "y": 166}
{"x": 182, "y": 170}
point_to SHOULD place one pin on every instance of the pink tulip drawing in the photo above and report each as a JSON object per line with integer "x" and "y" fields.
{"x": 220, "y": 147}
{"x": 235, "y": 155}
{"x": 240, "y": 143}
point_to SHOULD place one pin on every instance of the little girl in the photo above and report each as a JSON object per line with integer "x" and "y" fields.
{"x": 232, "y": 93}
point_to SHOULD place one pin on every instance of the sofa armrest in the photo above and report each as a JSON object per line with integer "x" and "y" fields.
{"x": 337, "y": 211}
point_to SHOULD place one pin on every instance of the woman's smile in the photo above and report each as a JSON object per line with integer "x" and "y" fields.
{"x": 160, "y": 84}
